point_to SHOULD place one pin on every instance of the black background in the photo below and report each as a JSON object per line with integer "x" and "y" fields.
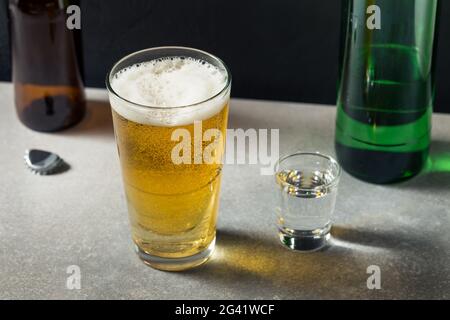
{"x": 279, "y": 50}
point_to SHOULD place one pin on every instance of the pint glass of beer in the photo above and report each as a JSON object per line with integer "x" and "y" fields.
{"x": 170, "y": 112}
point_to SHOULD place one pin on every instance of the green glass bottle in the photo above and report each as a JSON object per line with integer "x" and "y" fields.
{"x": 386, "y": 88}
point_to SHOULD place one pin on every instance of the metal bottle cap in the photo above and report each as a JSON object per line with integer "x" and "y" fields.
{"x": 43, "y": 162}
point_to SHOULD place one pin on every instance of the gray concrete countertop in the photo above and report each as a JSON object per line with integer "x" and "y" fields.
{"x": 79, "y": 218}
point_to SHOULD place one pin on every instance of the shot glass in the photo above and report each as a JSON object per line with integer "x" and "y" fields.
{"x": 307, "y": 183}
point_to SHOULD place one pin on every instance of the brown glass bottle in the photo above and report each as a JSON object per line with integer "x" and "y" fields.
{"x": 46, "y": 65}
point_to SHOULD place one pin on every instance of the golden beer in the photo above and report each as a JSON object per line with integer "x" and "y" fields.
{"x": 172, "y": 206}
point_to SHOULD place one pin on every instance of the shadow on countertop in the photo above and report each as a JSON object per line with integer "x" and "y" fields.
{"x": 96, "y": 122}
{"x": 244, "y": 260}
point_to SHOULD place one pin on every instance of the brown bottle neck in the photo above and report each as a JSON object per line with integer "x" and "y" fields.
{"x": 36, "y": 7}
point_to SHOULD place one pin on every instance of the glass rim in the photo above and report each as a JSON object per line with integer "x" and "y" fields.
{"x": 187, "y": 50}
{"x": 333, "y": 161}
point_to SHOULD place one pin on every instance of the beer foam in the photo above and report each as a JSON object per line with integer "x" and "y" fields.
{"x": 166, "y": 83}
